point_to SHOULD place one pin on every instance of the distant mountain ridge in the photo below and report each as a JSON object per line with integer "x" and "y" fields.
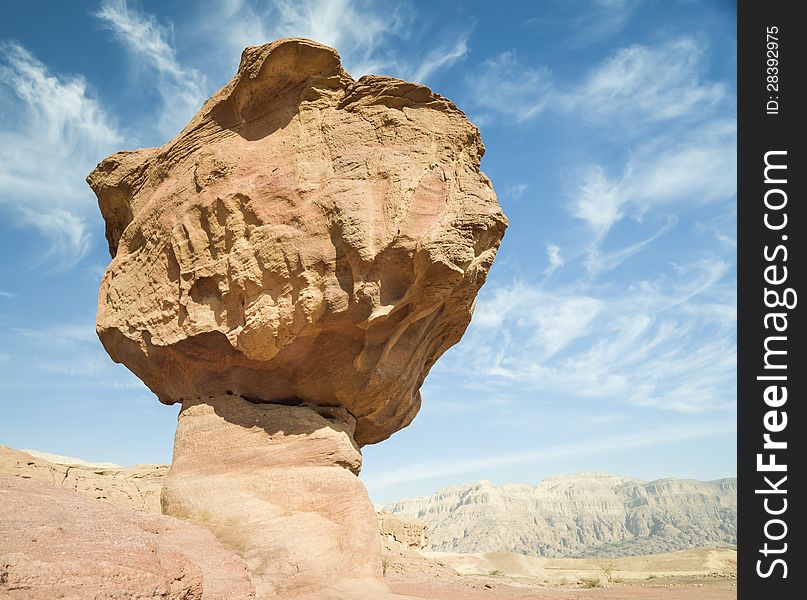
{"x": 581, "y": 516}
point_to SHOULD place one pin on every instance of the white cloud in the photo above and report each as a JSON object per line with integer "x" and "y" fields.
{"x": 699, "y": 167}
{"x": 585, "y": 22}
{"x": 61, "y": 335}
{"x": 674, "y": 170}
{"x": 56, "y": 135}
{"x": 642, "y": 84}
{"x": 77, "y": 366}
{"x": 445, "y": 468}
{"x": 549, "y": 321}
{"x": 442, "y": 57}
{"x": 144, "y": 35}
{"x": 599, "y": 19}
{"x": 67, "y": 349}
{"x": 516, "y": 191}
{"x": 7, "y": 295}
{"x": 351, "y": 27}
{"x": 554, "y": 259}
{"x": 598, "y": 200}
{"x": 502, "y": 84}
{"x": 632, "y": 90}
{"x": 598, "y": 262}
{"x": 728, "y": 241}
{"x": 557, "y": 324}
{"x": 182, "y": 89}
{"x": 358, "y": 29}
{"x": 688, "y": 164}
{"x": 68, "y": 234}
{"x": 652, "y": 343}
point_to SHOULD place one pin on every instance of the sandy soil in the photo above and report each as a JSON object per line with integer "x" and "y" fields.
{"x": 712, "y": 590}
{"x": 702, "y": 574}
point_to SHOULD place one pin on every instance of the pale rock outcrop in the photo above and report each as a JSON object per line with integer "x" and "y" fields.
{"x": 585, "y": 515}
{"x": 402, "y": 541}
{"x": 406, "y": 532}
{"x": 56, "y": 543}
{"x": 71, "y": 461}
{"x": 137, "y": 488}
{"x": 289, "y": 268}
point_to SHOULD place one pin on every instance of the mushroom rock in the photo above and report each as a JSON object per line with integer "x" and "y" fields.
{"x": 289, "y": 268}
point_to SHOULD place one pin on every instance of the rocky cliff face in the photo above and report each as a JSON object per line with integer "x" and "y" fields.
{"x": 136, "y": 488}
{"x": 413, "y": 535}
{"x": 583, "y": 515}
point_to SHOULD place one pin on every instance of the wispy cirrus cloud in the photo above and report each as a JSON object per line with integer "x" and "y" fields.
{"x": 441, "y": 57}
{"x": 554, "y": 259}
{"x": 67, "y": 350}
{"x": 640, "y": 85}
{"x": 598, "y": 200}
{"x": 181, "y": 88}
{"x": 505, "y": 85}
{"x": 517, "y": 190}
{"x": 678, "y": 171}
{"x": 357, "y": 29}
{"x": 586, "y": 22}
{"x": 633, "y": 89}
{"x": 61, "y": 335}
{"x": 672, "y": 170}
{"x": 58, "y": 132}
{"x": 597, "y": 261}
{"x": 363, "y": 32}
{"x": 448, "y": 467}
{"x": 645, "y": 343}
{"x": 598, "y": 20}
{"x": 549, "y": 321}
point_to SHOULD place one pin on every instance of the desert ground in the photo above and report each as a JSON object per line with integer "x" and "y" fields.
{"x": 679, "y": 590}
{"x": 705, "y": 573}
{"x": 708, "y": 573}
{"x": 80, "y": 508}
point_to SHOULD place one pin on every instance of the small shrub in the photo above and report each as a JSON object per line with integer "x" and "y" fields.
{"x": 609, "y": 568}
{"x": 591, "y": 582}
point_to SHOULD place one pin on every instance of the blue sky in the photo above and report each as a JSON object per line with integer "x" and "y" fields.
{"x": 605, "y": 338}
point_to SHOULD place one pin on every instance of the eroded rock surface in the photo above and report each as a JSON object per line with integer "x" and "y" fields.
{"x": 137, "y": 488}
{"x": 584, "y": 515}
{"x": 56, "y": 543}
{"x": 306, "y": 236}
{"x": 289, "y": 268}
{"x": 278, "y": 485}
{"x": 408, "y": 533}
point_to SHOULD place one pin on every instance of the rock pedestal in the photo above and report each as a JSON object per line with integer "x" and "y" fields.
{"x": 277, "y": 484}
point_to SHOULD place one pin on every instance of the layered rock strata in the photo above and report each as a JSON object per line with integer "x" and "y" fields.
{"x": 585, "y": 515}
{"x": 405, "y": 532}
{"x": 278, "y": 485}
{"x": 136, "y": 488}
{"x": 289, "y": 268}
